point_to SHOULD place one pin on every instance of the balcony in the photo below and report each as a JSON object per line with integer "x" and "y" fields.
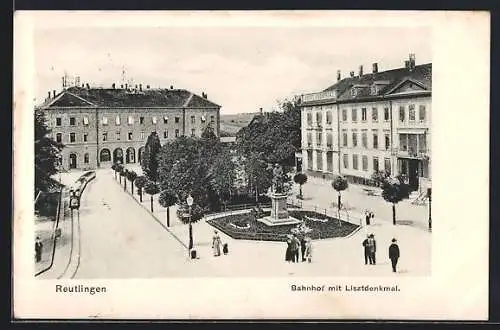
{"x": 413, "y": 153}
{"x": 320, "y": 96}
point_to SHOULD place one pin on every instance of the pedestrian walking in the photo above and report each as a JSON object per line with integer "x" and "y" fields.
{"x": 367, "y": 217}
{"x": 295, "y": 247}
{"x": 303, "y": 247}
{"x": 394, "y": 254}
{"x": 216, "y": 244}
{"x": 308, "y": 249}
{"x": 38, "y": 249}
{"x": 366, "y": 249}
{"x": 288, "y": 253}
{"x": 372, "y": 246}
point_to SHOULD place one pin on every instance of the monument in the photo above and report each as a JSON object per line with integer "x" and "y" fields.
{"x": 279, "y": 212}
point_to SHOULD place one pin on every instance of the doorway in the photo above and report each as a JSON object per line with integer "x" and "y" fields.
{"x": 413, "y": 174}
{"x": 72, "y": 161}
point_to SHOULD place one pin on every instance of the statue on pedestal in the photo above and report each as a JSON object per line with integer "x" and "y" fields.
{"x": 278, "y": 182}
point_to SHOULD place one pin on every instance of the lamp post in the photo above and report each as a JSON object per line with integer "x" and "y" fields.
{"x": 429, "y": 194}
{"x": 189, "y": 201}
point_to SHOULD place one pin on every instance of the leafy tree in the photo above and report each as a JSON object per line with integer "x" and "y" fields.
{"x": 395, "y": 190}
{"x": 300, "y": 179}
{"x": 131, "y": 175}
{"x": 197, "y": 165}
{"x": 339, "y": 184}
{"x": 149, "y": 161}
{"x": 270, "y": 138}
{"x": 140, "y": 182}
{"x": 47, "y": 153}
{"x": 167, "y": 199}
{"x": 152, "y": 189}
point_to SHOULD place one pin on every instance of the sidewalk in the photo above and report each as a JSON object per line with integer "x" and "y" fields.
{"x": 337, "y": 256}
{"x": 321, "y": 193}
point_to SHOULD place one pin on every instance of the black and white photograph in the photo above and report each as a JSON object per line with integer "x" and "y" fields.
{"x": 252, "y": 151}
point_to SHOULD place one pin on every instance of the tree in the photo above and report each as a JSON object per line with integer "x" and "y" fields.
{"x": 140, "y": 182}
{"x": 395, "y": 190}
{"x": 200, "y": 166}
{"x": 339, "y": 184}
{"x": 300, "y": 179}
{"x": 152, "y": 189}
{"x": 270, "y": 138}
{"x": 131, "y": 175}
{"x": 379, "y": 177}
{"x": 149, "y": 161}
{"x": 167, "y": 199}
{"x": 120, "y": 169}
{"x": 47, "y": 152}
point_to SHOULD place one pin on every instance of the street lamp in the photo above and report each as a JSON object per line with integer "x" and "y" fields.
{"x": 189, "y": 201}
{"x": 429, "y": 194}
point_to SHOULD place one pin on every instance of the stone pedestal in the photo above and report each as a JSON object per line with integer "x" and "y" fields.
{"x": 279, "y": 212}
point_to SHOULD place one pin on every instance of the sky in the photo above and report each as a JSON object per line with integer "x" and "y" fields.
{"x": 240, "y": 68}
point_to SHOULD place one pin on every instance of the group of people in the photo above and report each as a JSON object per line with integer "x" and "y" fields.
{"x": 370, "y": 249}
{"x": 298, "y": 248}
{"x": 217, "y": 245}
{"x": 369, "y": 215}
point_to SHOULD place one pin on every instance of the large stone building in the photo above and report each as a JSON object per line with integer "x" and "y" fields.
{"x": 371, "y": 122}
{"x": 99, "y": 126}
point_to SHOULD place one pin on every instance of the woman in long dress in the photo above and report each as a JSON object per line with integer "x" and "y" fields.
{"x": 216, "y": 244}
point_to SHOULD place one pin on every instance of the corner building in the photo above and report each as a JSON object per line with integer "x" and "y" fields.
{"x": 371, "y": 122}
{"x": 100, "y": 126}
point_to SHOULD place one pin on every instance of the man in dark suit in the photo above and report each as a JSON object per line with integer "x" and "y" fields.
{"x": 367, "y": 249}
{"x": 372, "y": 246}
{"x": 394, "y": 254}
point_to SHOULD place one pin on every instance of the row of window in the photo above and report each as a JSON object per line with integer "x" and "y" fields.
{"x": 130, "y": 121}
{"x": 345, "y": 157}
{"x": 72, "y": 136}
{"x": 364, "y": 163}
{"x": 374, "y": 115}
{"x": 364, "y": 140}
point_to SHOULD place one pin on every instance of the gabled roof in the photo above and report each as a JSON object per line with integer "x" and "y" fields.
{"x": 110, "y": 97}
{"x": 392, "y": 79}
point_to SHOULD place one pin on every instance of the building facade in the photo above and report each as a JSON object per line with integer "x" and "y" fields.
{"x": 378, "y": 121}
{"x": 101, "y": 126}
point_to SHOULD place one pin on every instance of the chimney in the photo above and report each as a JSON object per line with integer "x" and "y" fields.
{"x": 360, "y": 70}
{"x": 83, "y": 85}
{"x": 338, "y": 75}
{"x": 205, "y": 95}
{"x": 411, "y": 62}
{"x": 351, "y": 74}
{"x": 88, "y": 86}
{"x": 260, "y": 110}
{"x": 49, "y": 94}
{"x": 147, "y": 86}
{"x": 113, "y": 86}
{"x": 171, "y": 87}
{"x": 375, "y": 67}
{"x": 126, "y": 86}
{"x": 54, "y": 93}
{"x": 140, "y": 87}
{"x": 407, "y": 64}
{"x": 121, "y": 86}
{"x": 135, "y": 86}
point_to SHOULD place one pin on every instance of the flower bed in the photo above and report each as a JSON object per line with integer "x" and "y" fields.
{"x": 244, "y": 226}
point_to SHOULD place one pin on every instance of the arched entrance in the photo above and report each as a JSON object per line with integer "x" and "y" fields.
{"x": 118, "y": 156}
{"x": 72, "y": 161}
{"x": 140, "y": 153}
{"x": 130, "y": 155}
{"x": 105, "y": 155}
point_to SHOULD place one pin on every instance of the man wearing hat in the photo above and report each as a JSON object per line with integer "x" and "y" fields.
{"x": 394, "y": 254}
{"x": 38, "y": 249}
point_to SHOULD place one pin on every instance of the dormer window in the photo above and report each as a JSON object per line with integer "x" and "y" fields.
{"x": 374, "y": 89}
{"x": 354, "y": 92}
{"x": 117, "y": 120}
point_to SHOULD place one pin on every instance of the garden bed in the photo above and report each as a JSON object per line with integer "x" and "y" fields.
{"x": 244, "y": 226}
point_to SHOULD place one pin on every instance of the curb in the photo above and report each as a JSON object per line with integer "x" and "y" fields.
{"x": 152, "y": 215}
